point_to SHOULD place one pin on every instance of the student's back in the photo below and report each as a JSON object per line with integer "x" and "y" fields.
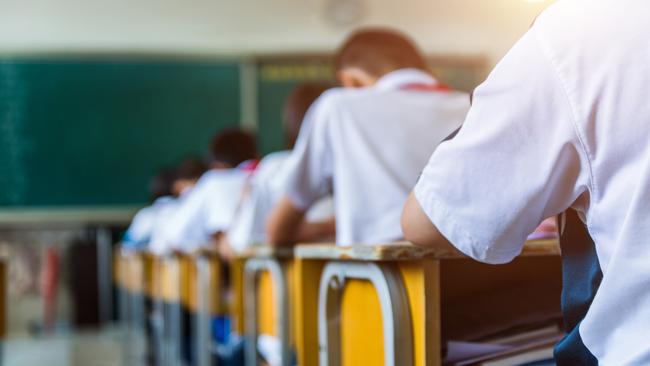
{"x": 143, "y": 224}
{"x": 268, "y": 183}
{"x": 368, "y": 142}
{"x": 207, "y": 210}
{"x": 606, "y": 79}
{"x": 563, "y": 121}
{"x": 378, "y": 140}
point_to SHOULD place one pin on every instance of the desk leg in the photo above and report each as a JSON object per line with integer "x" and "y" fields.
{"x": 203, "y": 318}
{"x": 3, "y": 307}
{"x": 395, "y": 310}
{"x": 252, "y": 269}
{"x": 158, "y": 316}
{"x": 422, "y": 283}
{"x": 306, "y": 275}
{"x": 172, "y": 316}
{"x": 138, "y": 309}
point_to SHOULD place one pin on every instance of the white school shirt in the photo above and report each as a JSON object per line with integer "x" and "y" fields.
{"x": 368, "y": 146}
{"x": 207, "y": 209}
{"x": 563, "y": 120}
{"x": 157, "y": 243}
{"x": 265, "y": 188}
{"x": 142, "y": 226}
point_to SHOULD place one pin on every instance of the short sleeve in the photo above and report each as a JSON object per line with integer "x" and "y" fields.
{"x": 310, "y": 164}
{"x": 139, "y": 231}
{"x": 516, "y": 161}
{"x": 241, "y": 233}
{"x": 221, "y": 202}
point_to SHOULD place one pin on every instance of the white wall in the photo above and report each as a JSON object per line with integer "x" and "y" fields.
{"x": 218, "y": 27}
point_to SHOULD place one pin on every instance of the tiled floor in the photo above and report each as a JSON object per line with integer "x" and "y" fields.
{"x": 88, "y": 348}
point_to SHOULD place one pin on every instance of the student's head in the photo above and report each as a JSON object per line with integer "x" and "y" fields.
{"x": 232, "y": 147}
{"x": 296, "y": 106}
{"x": 162, "y": 184}
{"x": 369, "y": 54}
{"x": 187, "y": 173}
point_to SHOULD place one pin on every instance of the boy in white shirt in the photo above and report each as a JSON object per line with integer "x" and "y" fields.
{"x": 138, "y": 234}
{"x": 208, "y": 209}
{"x": 562, "y": 122}
{"x": 268, "y": 183}
{"x": 166, "y": 188}
{"x": 367, "y": 142}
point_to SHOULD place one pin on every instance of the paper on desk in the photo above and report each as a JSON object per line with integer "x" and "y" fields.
{"x": 458, "y": 351}
{"x": 546, "y": 230}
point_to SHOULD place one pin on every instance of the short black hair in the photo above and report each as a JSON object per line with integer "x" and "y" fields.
{"x": 161, "y": 184}
{"x": 296, "y": 106}
{"x": 233, "y": 146}
{"x": 378, "y": 51}
{"x": 191, "y": 169}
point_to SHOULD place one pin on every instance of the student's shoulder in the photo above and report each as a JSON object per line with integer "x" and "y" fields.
{"x": 272, "y": 162}
{"x": 456, "y": 99}
{"x": 208, "y": 181}
{"x": 220, "y": 175}
{"x": 163, "y": 201}
{"x": 144, "y": 213}
{"x": 274, "y": 158}
{"x": 337, "y": 98}
{"x": 270, "y": 166}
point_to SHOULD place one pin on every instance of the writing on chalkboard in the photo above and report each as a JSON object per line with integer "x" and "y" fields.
{"x": 296, "y": 72}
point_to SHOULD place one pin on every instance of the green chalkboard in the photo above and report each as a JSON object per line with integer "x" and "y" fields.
{"x": 84, "y": 132}
{"x": 276, "y": 78}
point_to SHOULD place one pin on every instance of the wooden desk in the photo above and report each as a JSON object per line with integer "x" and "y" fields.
{"x": 3, "y": 299}
{"x": 190, "y": 284}
{"x": 397, "y": 304}
{"x": 202, "y": 297}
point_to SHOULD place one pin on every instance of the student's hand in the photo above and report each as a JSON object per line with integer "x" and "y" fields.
{"x": 225, "y": 250}
{"x": 317, "y": 231}
{"x": 284, "y": 223}
{"x": 177, "y": 253}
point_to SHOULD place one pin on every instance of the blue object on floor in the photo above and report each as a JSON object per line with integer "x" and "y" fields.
{"x": 221, "y": 329}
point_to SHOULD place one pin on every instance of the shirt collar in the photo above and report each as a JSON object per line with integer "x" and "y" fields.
{"x": 399, "y": 78}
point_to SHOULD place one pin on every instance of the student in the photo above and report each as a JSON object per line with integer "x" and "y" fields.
{"x": 188, "y": 173}
{"x": 139, "y": 232}
{"x": 368, "y": 141}
{"x": 208, "y": 209}
{"x": 268, "y": 183}
{"x": 561, "y": 122}
{"x": 186, "y": 176}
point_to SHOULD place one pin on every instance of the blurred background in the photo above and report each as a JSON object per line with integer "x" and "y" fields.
{"x": 96, "y": 96}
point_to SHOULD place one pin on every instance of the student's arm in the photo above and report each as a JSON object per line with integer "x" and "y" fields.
{"x": 310, "y": 174}
{"x": 418, "y": 229}
{"x": 224, "y": 248}
{"x": 284, "y": 223}
{"x": 516, "y": 161}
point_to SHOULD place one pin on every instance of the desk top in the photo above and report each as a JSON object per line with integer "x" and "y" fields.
{"x": 267, "y": 251}
{"x": 407, "y": 251}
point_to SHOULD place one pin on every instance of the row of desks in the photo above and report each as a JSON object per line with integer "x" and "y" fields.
{"x": 392, "y": 304}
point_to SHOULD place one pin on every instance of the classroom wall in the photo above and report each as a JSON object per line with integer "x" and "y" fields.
{"x": 218, "y": 27}
{"x": 113, "y": 96}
